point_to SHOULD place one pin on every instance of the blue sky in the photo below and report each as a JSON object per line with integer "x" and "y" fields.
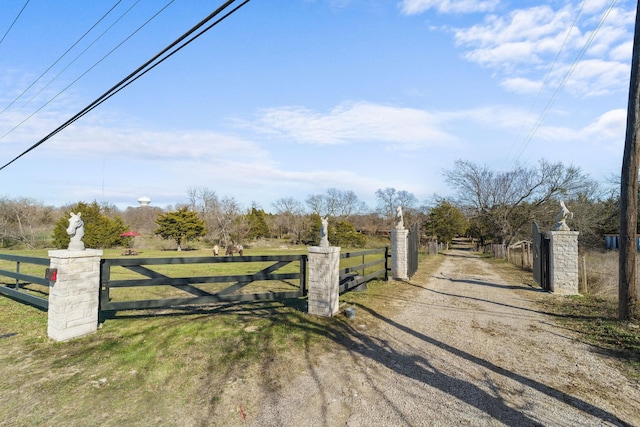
{"x": 291, "y": 98}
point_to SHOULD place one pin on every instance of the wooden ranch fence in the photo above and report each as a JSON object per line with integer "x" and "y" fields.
{"x": 129, "y": 284}
{"x": 21, "y": 286}
{"x": 374, "y": 265}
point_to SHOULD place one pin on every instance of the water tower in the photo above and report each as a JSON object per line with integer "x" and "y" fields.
{"x": 144, "y": 201}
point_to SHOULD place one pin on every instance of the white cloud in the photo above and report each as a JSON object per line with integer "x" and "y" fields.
{"x": 595, "y": 77}
{"x": 622, "y": 52}
{"x": 416, "y": 7}
{"x": 609, "y": 126}
{"x": 358, "y": 122}
{"x": 535, "y": 31}
{"x": 606, "y": 128}
{"x": 521, "y": 85}
{"x": 525, "y": 43}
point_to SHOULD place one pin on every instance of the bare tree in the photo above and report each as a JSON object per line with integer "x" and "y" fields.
{"x": 289, "y": 217}
{"x": 389, "y": 199}
{"x": 25, "y": 221}
{"x": 316, "y": 204}
{"x": 502, "y": 203}
{"x": 142, "y": 218}
{"x": 226, "y": 216}
{"x": 336, "y": 203}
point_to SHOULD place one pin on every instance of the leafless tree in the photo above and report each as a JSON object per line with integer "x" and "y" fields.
{"x": 388, "y": 201}
{"x": 316, "y": 204}
{"x": 289, "y": 217}
{"x": 337, "y": 204}
{"x": 506, "y": 202}
{"x": 25, "y": 221}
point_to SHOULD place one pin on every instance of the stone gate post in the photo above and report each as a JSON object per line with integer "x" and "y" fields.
{"x": 74, "y": 297}
{"x": 563, "y": 261}
{"x": 324, "y": 280}
{"x": 399, "y": 253}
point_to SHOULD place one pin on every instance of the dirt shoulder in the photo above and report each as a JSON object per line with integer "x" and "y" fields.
{"x": 465, "y": 347}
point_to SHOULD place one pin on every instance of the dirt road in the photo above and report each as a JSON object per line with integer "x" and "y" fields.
{"x": 467, "y": 348}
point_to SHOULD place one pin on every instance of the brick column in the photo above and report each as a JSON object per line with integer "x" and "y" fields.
{"x": 73, "y": 298}
{"x": 399, "y": 254}
{"x": 324, "y": 280}
{"x": 563, "y": 262}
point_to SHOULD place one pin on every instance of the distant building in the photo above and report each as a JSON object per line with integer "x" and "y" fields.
{"x": 612, "y": 242}
{"x": 144, "y": 201}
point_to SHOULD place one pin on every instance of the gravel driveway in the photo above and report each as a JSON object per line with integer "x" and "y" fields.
{"x": 467, "y": 348}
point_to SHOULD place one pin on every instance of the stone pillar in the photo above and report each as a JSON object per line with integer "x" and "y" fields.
{"x": 563, "y": 262}
{"x": 399, "y": 253}
{"x": 74, "y": 297}
{"x": 324, "y": 280}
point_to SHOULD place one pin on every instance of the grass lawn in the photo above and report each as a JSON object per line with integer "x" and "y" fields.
{"x": 166, "y": 367}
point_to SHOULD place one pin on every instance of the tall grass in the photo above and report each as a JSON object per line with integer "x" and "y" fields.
{"x": 598, "y": 274}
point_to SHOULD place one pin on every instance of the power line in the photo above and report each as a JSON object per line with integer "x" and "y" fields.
{"x": 14, "y": 21}
{"x": 553, "y": 64}
{"x": 143, "y": 69}
{"x": 90, "y": 68}
{"x": 565, "y": 79}
{"x": 59, "y": 58}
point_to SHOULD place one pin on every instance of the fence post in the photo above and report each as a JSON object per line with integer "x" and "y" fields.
{"x": 73, "y": 298}
{"x": 386, "y": 263}
{"x": 399, "y": 254}
{"x": 324, "y": 280}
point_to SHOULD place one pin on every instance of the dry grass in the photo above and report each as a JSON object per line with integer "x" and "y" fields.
{"x": 601, "y": 274}
{"x": 592, "y": 316}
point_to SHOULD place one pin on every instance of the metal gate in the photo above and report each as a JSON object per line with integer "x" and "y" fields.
{"x": 540, "y": 257}
{"x": 412, "y": 248}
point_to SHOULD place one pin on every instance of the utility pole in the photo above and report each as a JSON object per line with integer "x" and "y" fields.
{"x": 628, "y": 297}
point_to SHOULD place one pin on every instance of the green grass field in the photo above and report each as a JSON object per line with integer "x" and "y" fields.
{"x": 181, "y": 271}
{"x": 166, "y": 367}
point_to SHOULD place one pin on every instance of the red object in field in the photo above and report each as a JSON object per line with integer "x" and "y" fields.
{"x": 130, "y": 234}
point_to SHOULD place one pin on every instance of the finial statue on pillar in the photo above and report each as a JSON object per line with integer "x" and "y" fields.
{"x": 324, "y": 233}
{"x": 76, "y": 231}
{"x": 400, "y": 224}
{"x": 561, "y": 218}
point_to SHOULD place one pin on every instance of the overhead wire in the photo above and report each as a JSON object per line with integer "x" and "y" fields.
{"x": 551, "y": 68}
{"x": 140, "y": 71}
{"x": 14, "y": 21}
{"x": 564, "y": 80}
{"x": 90, "y": 68}
{"x": 60, "y": 58}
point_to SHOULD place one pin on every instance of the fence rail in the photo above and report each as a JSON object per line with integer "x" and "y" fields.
{"x": 349, "y": 279}
{"x": 154, "y": 289}
{"x": 19, "y": 290}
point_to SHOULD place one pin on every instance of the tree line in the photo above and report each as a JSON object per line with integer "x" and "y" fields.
{"x": 27, "y": 223}
{"x": 489, "y": 205}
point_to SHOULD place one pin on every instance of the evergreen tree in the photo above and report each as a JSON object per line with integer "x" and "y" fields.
{"x": 445, "y": 221}
{"x": 312, "y": 236}
{"x": 344, "y": 234}
{"x": 100, "y": 230}
{"x": 258, "y": 226}
{"x": 182, "y": 225}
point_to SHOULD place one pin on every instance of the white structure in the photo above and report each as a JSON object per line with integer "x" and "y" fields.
{"x": 399, "y": 254}
{"x": 563, "y": 262}
{"x": 324, "y": 280}
{"x": 144, "y": 201}
{"x": 74, "y": 297}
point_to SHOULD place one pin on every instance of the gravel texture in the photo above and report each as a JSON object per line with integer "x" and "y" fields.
{"x": 467, "y": 348}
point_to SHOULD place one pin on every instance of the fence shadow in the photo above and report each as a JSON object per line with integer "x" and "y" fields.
{"x": 418, "y": 367}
